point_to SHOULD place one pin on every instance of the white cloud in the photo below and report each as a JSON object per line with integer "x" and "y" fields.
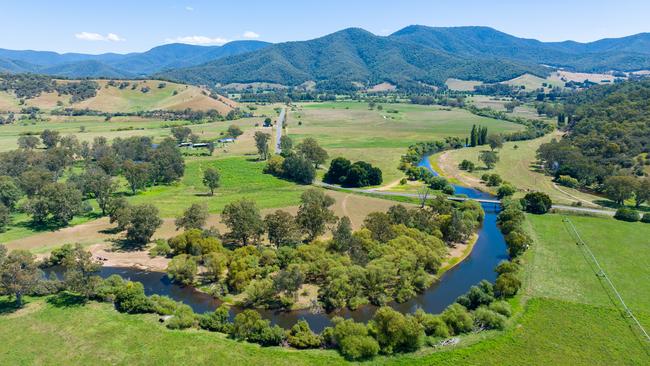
{"x": 189, "y": 8}
{"x": 198, "y": 40}
{"x": 89, "y": 36}
{"x": 250, "y": 35}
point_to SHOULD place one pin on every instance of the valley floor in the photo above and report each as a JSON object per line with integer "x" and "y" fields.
{"x": 564, "y": 317}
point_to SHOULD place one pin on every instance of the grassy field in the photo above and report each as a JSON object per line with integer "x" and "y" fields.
{"x": 462, "y": 85}
{"x": 568, "y": 318}
{"x": 380, "y": 137}
{"x": 518, "y": 166}
{"x": 498, "y": 104}
{"x": 532, "y": 82}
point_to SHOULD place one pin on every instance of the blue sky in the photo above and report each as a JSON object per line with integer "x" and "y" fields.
{"x": 137, "y": 25}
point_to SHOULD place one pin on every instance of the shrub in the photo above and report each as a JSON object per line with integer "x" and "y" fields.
{"x": 646, "y": 218}
{"x": 567, "y": 181}
{"x": 517, "y": 242}
{"x": 478, "y": 295}
{"x": 131, "y": 299}
{"x": 506, "y": 190}
{"x": 216, "y": 321}
{"x": 501, "y": 307}
{"x": 507, "y": 285}
{"x": 163, "y": 305}
{"x": 467, "y": 165}
{"x": 182, "y": 269}
{"x": 488, "y": 319}
{"x": 301, "y": 336}
{"x": 161, "y": 248}
{"x": 457, "y": 318}
{"x": 433, "y": 324}
{"x": 250, "y": 326}
{"x": 494, "y": 180}
{"x": 182, "y": 318}
{"x": 626, "y": 214}
{"x": 358, "y": 347}
{"x": 396, "y": 332}
{"x": 536, "y": 202}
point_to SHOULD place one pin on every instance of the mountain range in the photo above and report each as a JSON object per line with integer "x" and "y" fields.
{"x": 112, "y": 65}
{"x": 415, "y": 54}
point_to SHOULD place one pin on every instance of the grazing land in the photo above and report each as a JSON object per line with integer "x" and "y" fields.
{"x": 380, "y": 137}
{"x": 518, "y": 166}
{"x": 111, "y": 98}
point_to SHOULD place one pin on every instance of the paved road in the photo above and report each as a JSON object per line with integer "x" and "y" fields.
{"x": 278, "y": 130}
{"x": 415, "y": 195}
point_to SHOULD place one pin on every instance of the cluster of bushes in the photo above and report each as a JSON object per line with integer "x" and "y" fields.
{"x": 187, "y": 114}
{"x": 393, "y": 257}
{"x": 631, "y": 215}
{"x": 297, "y": 164}
{"x": 359, "y": 174}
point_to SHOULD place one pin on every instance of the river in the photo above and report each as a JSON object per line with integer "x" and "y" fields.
{"x": 489, "y": 250}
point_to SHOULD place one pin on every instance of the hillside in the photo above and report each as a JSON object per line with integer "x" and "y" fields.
{"x": 128, "y": 97}
{"x": 350, "y": 55}
{"x": 625, "y": 54}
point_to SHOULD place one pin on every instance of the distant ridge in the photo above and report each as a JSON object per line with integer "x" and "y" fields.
{"x": 413, "y": 55}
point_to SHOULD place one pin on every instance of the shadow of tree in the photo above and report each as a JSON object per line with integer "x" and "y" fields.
{"x": 8, "y": 305}
{"x": 66, "y": 299}
{"x": 125, "y": 245}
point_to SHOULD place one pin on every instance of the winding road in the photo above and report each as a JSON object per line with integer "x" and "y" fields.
{"x": 415, "y": 195}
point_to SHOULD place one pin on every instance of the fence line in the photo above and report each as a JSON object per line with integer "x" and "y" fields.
{"x": 601, "y": 273}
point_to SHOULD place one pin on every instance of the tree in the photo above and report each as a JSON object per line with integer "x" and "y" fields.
{"x": 310, "y": 149}
{"x": 342, "y": 235}
{"x": 457, "y": 318}
{"x": 5, "y": 218}
{"x": 537, "y": 202}
{"x": 489, "y": 158}
{"x": 10, "y": 193}
{"x": 473, "y": 137}
{"x": 167, "y": 162}
{"x": 234, "y": 131}
{"x": 19, "y": 274}
{"x": 182, "y": 269}
{"x": 298, "y": 169}
{"x": 620, "y": 188}
{"x": 211, "y": 179}
{"x": 28, "y": 142}
{"x": 282, "y": 228}
{"x": 136, "y": 174}
{"x": 396, "y": 332}
{"x": 338, "y": 171}
{"x": 143, "y": 222}
{"x": 181, "y": 133}
{"x": 262, "y": 144}
{"x": 80, "y": 271}
{"x": 380, "y": 226}
{"x": 244, "y": 221}
{"x": 286, "y": 144}
{"x": 506, "y": 190}
{"x": 495, "y": 141}
{"x": 60, "y": 201}
{"x": 289, "y": 280}
{"x": 194, "y": 217}
{"x": 50, "y": 138}
{"x": 100, "y": 185}
{"x": 314, "y": 213}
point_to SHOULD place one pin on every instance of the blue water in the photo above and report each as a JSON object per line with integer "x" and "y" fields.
{"x": 489, "y": 250}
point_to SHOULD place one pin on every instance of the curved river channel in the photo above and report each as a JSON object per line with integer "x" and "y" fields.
{"x": 488, "y": 251}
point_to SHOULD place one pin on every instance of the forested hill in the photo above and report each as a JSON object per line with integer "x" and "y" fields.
{"x": 624, "y": 54}
{"x": 351, "y": 55}
{"x": 609, "y": 134}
